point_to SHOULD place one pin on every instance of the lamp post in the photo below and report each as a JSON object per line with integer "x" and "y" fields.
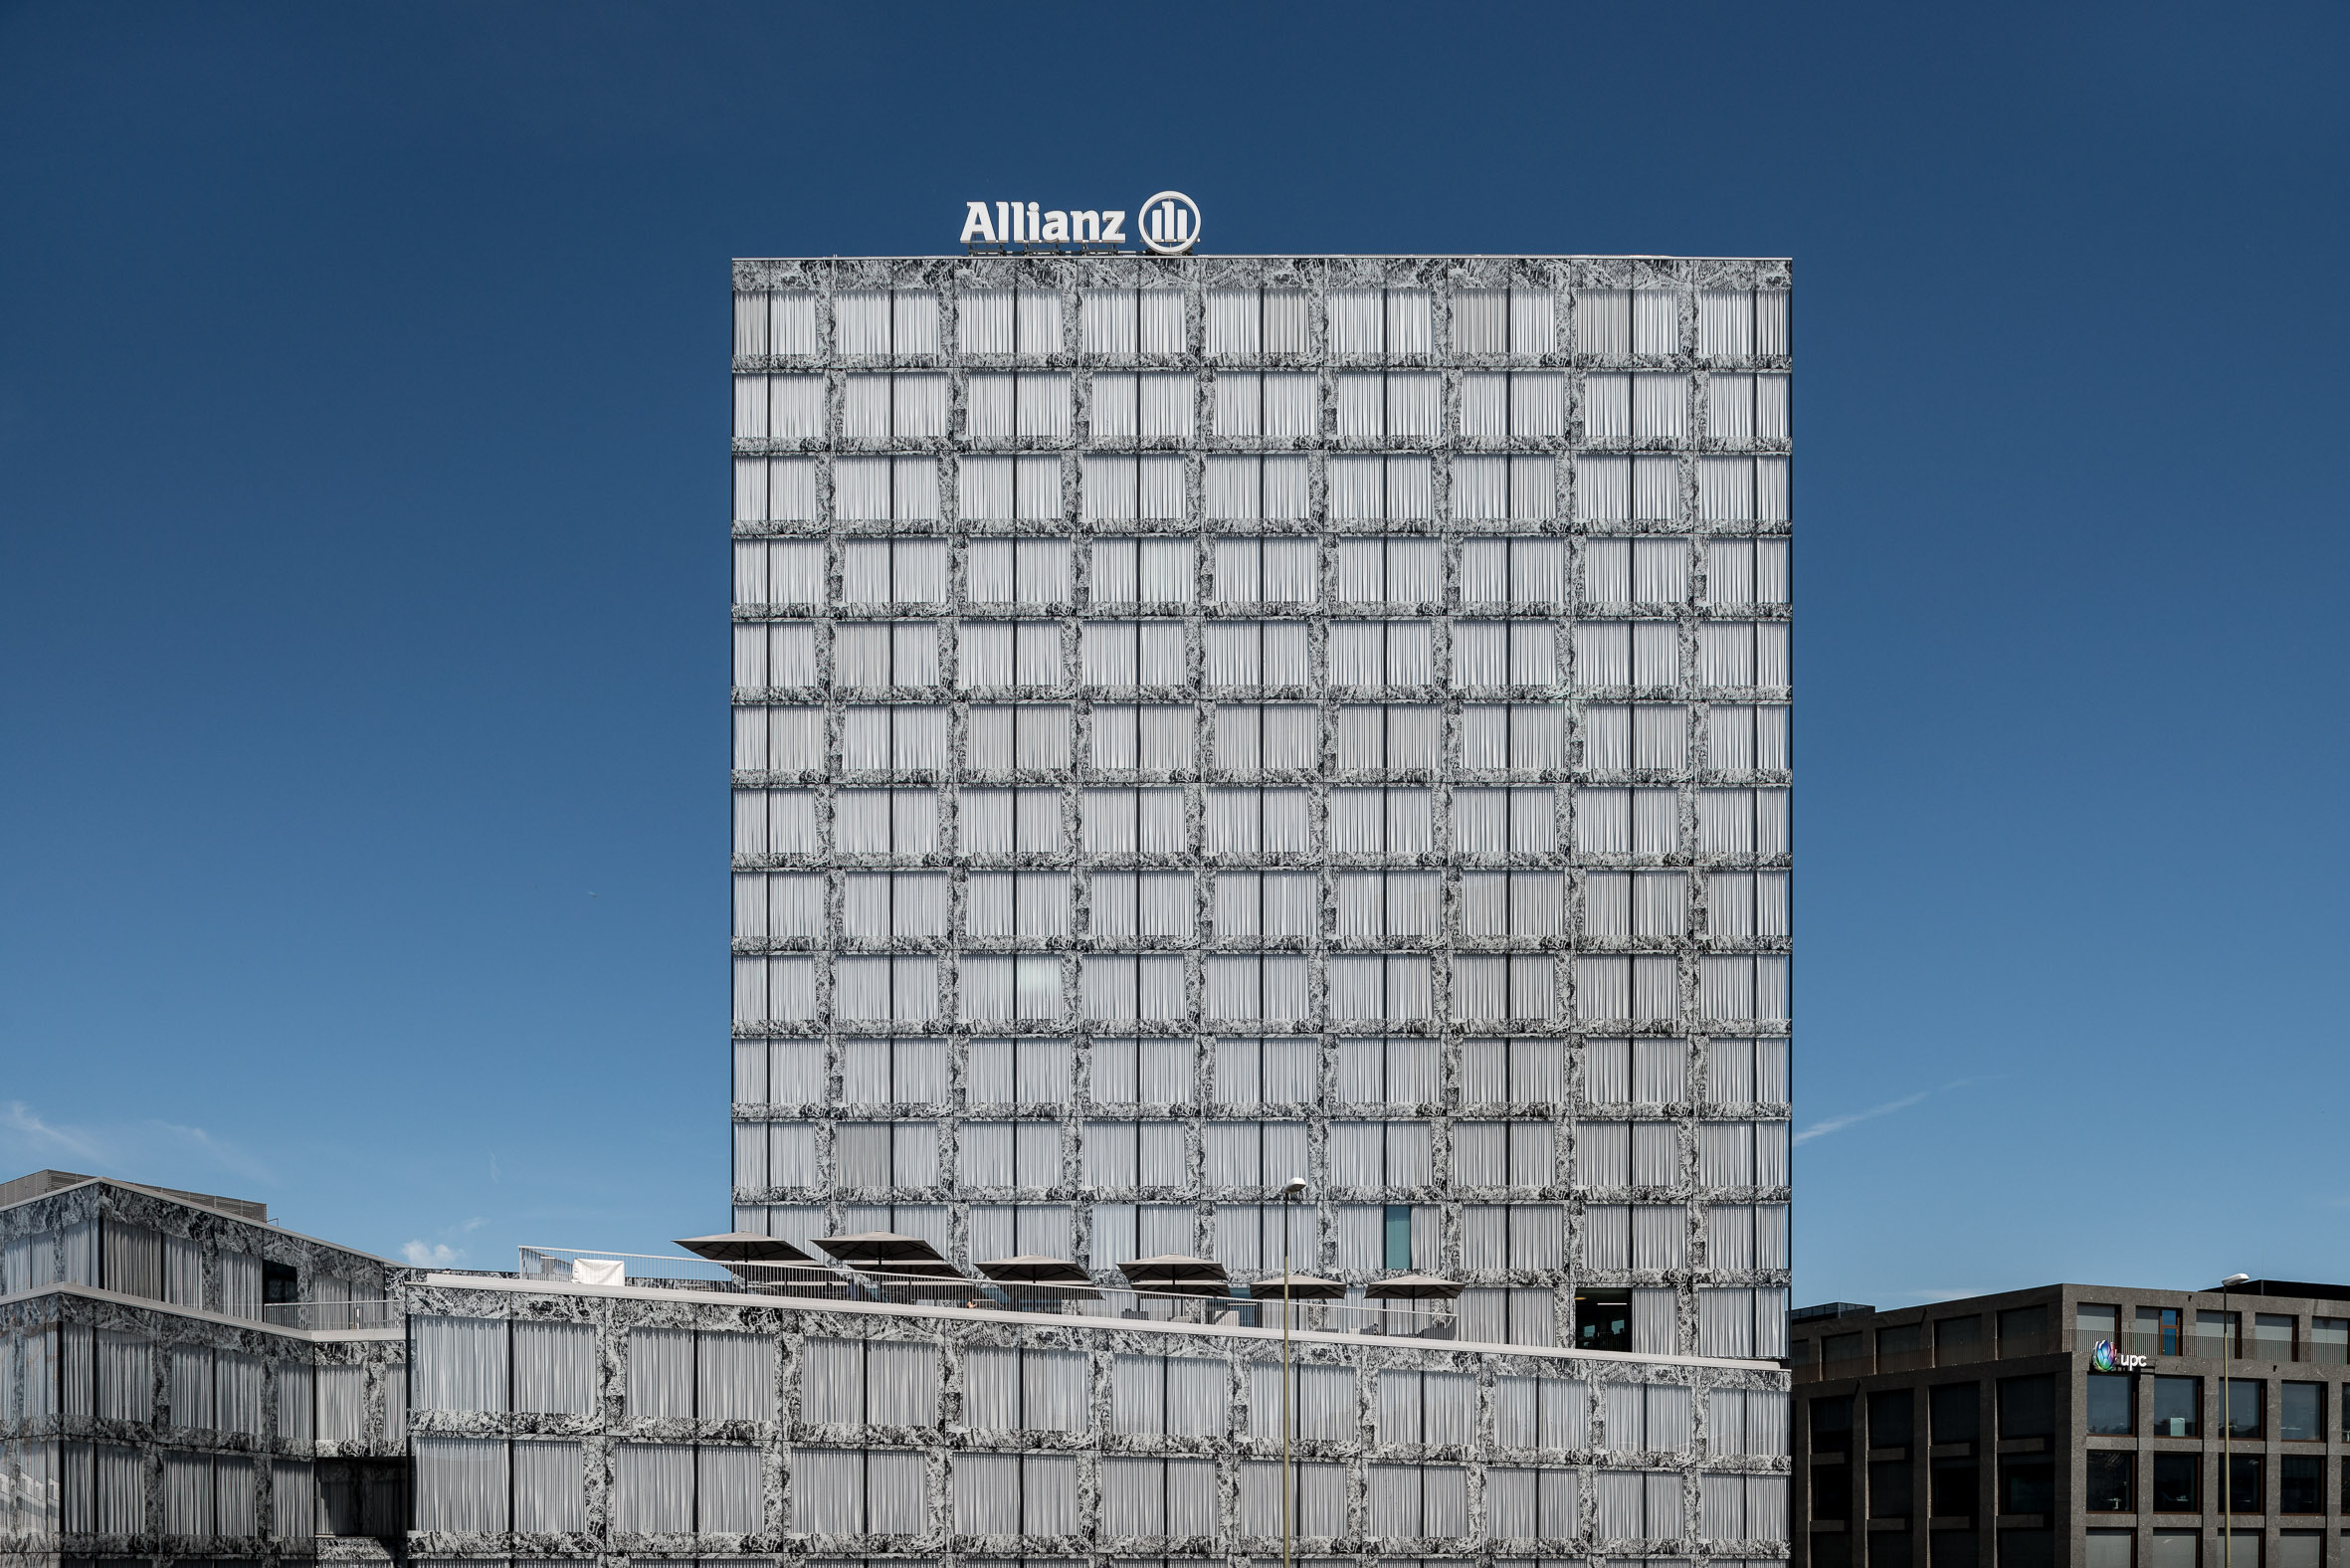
{"x": 1292, "y": 1188}
{"x": 2227, "y": 1423}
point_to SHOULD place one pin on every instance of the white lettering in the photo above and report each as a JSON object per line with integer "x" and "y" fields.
{"x": 1169, "y": 223}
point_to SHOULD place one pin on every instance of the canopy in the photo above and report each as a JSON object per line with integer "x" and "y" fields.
{"x": 1301, "y": 1287}
{"x": 1030, "y": 1269}
{"x": 744, "y": 1247}
{"x": 1175, "y": 1274}
{"x": 887, "y": 1251}
{"x": 1411, "y": 1287}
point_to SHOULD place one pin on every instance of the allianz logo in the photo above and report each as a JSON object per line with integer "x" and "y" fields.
{"x": 1168, "y": 224}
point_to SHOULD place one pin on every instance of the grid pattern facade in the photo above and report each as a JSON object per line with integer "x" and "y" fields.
{"x": 655, "y": 1424}
{"x": 1200, "y": 722}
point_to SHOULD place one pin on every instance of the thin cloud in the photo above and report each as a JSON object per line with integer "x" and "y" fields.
{"x": 21, "y": 1120}
{"x": 1821, "y": 1130}
{"x": 220, "y": 1151}
{"x": 431, "y": 1255}
{"x": 133, "y": 1151}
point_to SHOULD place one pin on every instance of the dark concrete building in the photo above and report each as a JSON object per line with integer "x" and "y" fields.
{"x": 2080, "y": 1425}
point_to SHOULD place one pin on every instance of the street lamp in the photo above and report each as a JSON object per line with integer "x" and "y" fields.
{"x": 1293, "y": 1189}
{"x": 2227, "y": 1423}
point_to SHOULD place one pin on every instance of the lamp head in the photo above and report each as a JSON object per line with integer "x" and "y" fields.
{"x": 1294, "y": 1187}
{"x": 2235, "y": 1278}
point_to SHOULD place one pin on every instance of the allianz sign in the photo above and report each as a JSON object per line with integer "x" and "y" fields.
{"x": 1169, "y": 224}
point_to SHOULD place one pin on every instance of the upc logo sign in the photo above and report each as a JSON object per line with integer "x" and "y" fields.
{"x": 1170, "y": 223}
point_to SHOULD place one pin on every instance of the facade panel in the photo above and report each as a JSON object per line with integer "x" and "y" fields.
{"x": 1372, "y": 670}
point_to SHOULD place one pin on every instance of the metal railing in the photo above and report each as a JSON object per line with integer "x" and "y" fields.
{"x": 1433, "y": 1319}
{"x": 331, "y": 1314}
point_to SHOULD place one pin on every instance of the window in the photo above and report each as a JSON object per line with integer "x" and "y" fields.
{"x": 1397, "y": 406}
{"x": 1273, "y": 405}
{"x": 1899, "y": 1340}
{"x": 1496, "y": 572}
{"x": 1953, "y": 1487}
{"x": 1252, "y": 821}
{"x": 1393, "y": 738}
{"x": 2244, "y": 1397}
{"x": 2178, "y": 1406}
{"x": 1024, "y": 322}
{"x": 1640, "y": 735}
{"x": 1368, "y": 821}
{"x": 1378, "y": 654}
{"x": 2218, "y": 1334}
{"x": 1391, "y": 571}
{"x": 1132, "y": 821}
{"x": 1956, "y": 1413}
{"x": 2027, "y": 1408}
{"x": 1249, "y": 905}
{"x": 2300, "y": 1484}
{"x": 1279, "y": 489}
{"x": 1123, "y": 322}
{"x": 2245, "y": 1494}
{"x": 1129, "y": 489}
{"x": 894, "y": 1072}
{"x": 2178, "y": 1484}
{"x": 1518, "y": 322}
{"x": 2158, "y": 1330}
{"x": 1611, "y": 653}
{"x": 1890, "y": 1489}
{"x": 2176, "y": 1549}
{"x": 1512, "y": 1071}
{"x": 2027, "y": 1483}
{"x": 1247, "y": 737}
{"x": 2091, "y": 1322}
{"x": 1246, "y": 323}
{"x": 1832, "y": 1491}
{"x": 2301, "y": 1412}
{"x": 1638, "y": 821}
{"x": 2272, "y": 1336}
{"x": 1832, "y": 1424}
{"x": 1524, "y": 406}
{"x": 884, "y": 1154}
{"x": 1958, "y": 1339}
{"x": 1893, "y": 1418}
{"x": 994, "y": 653}
{"x": 1396, "y": 1236}
{"x": 1603, "y": 1320}
{"x": 1267, "y": 1071}
{"x": 993, "y": 822}
{"x": 1264, "y": 571}
{"x": 1503, "y": 653}
{"x": 1028, "y": 572}
{"x": 2298, "y": 1549}
{"x": 883, "y": 739}
{"x": 1123, "y": 904}
{"x": 2110, "y": 1483}
{"x": 1379, "y": 1154}
{"x": 883, "y": 905}
{"x": 1504, "y": 1154}
{"x": 2112, "y": 1404}
{"x": 1126, "y": 406}
{"x": 1242, "y": 653}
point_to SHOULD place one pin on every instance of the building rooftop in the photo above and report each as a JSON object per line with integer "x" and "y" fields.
{"x": 41, "y": 1183}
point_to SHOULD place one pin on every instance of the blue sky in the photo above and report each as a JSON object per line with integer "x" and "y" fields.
{"x": 362, "y": 578}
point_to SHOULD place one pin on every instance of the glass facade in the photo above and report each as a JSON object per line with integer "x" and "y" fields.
{"x": 1204, "y": 722}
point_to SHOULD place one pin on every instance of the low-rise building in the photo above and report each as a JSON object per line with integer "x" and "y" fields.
{"x": 185, "y": 1381}
{"x": 2075, "y": 1425}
